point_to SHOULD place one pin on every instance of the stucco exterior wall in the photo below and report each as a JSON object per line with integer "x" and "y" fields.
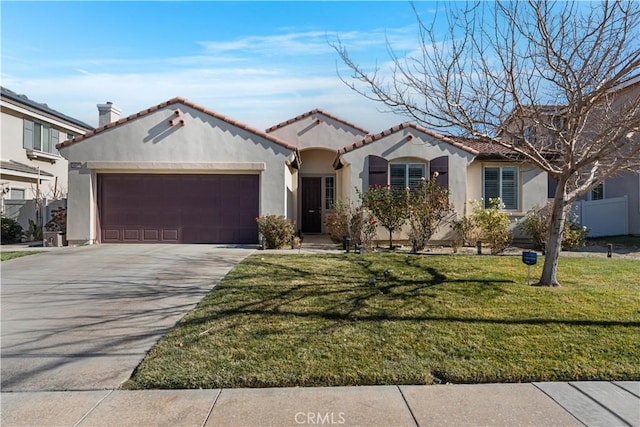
{"x": 149, "y": 145}
{"x": 328, "y": 133}
{"x": 396, "y": 147}
{"x": 317, "y": 162}
{"x": 532, "y": 188}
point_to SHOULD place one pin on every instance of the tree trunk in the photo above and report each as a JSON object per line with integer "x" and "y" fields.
{"x": 390, "y": 239}
{"x": 554, "y": 238}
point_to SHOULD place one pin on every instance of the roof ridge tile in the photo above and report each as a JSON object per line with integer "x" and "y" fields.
{"x": 312, "y": 112}
{"x": 186, "y": 102}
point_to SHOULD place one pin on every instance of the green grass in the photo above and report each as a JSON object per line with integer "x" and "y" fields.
{"x": 4, "y": 256}
{"x": 310, "y": 320}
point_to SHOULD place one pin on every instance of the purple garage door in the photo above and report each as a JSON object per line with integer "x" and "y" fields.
{"x": 178, "y": 208}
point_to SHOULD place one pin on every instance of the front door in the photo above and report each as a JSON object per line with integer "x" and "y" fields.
{"x": 311, "y": 205}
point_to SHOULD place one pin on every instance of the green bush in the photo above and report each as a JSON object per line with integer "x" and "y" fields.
{"x": 11, "y": 231}
{"x": 276, "y": 230}
{"x": 493, "y": 224}
{"x": 536, "y": 226}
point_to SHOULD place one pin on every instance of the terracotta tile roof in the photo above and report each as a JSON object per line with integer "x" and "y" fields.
{"x": 311, "y": 113}
{"x": 372, "y": 138}
{"x": 14, "y": 166}
{"x": 489, "y": 150}
{"x": 186, "y": 102}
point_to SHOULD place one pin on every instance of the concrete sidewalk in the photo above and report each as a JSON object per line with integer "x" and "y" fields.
{"x": 534, "y": 404}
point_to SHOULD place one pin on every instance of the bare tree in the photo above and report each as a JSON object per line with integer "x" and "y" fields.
{"x": 557, "y": 83}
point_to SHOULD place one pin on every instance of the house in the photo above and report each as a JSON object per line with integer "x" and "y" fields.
{"x": 31, "y": 166}
{"x": 179, "y": 172}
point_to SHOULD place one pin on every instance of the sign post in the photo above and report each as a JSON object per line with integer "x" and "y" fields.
{"x": 529, "y": 258}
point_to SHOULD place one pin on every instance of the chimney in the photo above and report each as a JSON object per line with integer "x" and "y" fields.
{"x": 107, "y": 113}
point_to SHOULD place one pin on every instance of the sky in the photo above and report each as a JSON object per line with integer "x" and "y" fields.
{"x": 258, "y": 62}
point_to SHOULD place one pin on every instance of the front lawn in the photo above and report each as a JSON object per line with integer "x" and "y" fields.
{"x": 312, "y": 320}
{"x": 5, "y": 256}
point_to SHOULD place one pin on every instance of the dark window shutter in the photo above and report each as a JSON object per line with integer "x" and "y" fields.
{"x": 377, "y": 171}
{"x": 27, "y": 140}
{"x": 441, "y": 165}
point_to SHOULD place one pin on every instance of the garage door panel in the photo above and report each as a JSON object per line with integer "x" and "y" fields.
{"x": 179, "y": 208}
{"x": 131, "y": 235}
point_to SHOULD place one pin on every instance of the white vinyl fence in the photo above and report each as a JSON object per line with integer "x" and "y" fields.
{"x": 606, "y": 217}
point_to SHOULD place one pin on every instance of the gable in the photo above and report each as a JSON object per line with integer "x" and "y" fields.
{"x": 317, "y": 129}
{"x": 406, "y": 141}
{"x": 175, "y": 131}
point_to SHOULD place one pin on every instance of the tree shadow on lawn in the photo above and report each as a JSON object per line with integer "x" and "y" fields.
{"x": 351, "y": 301}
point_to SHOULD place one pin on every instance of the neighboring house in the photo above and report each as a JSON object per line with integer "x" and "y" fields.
{"x": 179, "y": 172}
{"x": 30, "y": 161}
{"x": 613, "y": 207}
{"x": 32, "y": 172}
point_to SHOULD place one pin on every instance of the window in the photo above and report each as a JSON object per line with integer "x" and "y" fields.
{"x": 40, "y": 137}
{"x": 501, "y": 182}
{"x": 402, "y": 175}
{"x": 329, "y": 192}
{"x": 597, "y": 193}
{"x": 17, "y": 194}
{"x": 530, "y": 134}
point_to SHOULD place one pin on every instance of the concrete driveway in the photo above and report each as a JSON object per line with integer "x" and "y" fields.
{"x": 83, "y": 318}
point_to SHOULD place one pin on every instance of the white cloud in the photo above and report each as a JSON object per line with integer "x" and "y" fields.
{"x": 260, "y": 80}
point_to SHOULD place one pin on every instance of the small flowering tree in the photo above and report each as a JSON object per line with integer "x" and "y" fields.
{"x": 388, "y": 205}
{"x": 428, "y": 208}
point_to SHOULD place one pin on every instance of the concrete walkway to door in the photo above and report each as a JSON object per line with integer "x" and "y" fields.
{"x": 83, "y": 318}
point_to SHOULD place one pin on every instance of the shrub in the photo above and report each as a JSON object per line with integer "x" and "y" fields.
{"x": 58, "y": 221}
{"x": 428, "y": 208}
{"x": 466, "y": 231}
{"x": 11, "y": 231}
{"x": 338, "y": 222}
{"x": 536, "y": 226}
{"x": 276, "y": 230}
{"x": 34, "y": 233}
{"x": 493, "y": 223}
{"x": 363, "y": 227}
{"x": 351, "y": 221}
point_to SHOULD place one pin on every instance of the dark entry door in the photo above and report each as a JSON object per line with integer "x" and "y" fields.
{"x": 311, "y": 205}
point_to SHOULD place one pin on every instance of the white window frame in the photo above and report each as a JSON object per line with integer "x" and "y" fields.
{"x": 40, "y": 134}
{"x": 12, "y": 191}
{"x": 329, "y": 202}
{"x": 518, "y": 190}
{"x": 407, "y": 166}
